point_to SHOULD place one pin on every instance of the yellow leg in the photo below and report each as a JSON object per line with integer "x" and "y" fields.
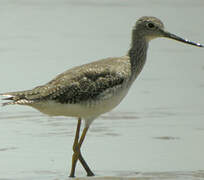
{"x": 74, "y": 157}
{"x": 77, "y": 153}
{"x": 76, "y": 139}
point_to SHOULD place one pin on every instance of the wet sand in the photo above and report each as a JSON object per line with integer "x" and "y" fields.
{"x": 156, "y": 133}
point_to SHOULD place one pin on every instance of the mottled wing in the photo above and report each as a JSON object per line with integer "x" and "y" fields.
{"x": 86, "y": 82}
{"x": 88, "y": 87}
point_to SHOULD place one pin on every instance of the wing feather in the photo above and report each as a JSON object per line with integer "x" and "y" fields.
{"x": 81, "y": 83}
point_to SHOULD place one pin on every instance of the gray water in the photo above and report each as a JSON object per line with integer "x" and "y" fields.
{"x": 157, "y": 132}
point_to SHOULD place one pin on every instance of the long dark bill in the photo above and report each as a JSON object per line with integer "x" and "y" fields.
{"x": 177, "y": 38}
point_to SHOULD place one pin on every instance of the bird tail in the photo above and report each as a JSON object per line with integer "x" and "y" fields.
{"x": 19, "y": 97}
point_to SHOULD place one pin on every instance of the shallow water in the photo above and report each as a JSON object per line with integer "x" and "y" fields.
{"x": 122, "y": 145}
{"x": 157, "y": 132}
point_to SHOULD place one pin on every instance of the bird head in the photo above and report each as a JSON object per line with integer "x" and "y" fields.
{"x": 151, "y": 27}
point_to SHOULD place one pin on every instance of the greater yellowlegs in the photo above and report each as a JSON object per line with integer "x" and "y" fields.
{"x": 90, "y": 90}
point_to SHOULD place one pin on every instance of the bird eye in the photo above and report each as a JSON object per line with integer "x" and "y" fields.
{"x": 150, "y": 25}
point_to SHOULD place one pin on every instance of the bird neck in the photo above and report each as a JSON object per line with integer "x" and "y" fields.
{"x": 137, "y": 54}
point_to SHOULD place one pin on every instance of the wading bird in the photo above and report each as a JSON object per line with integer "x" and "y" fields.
{"x": 89, "y": 90}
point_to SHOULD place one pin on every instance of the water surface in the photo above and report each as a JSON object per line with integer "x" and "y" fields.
{"x": 157, "y": 132}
